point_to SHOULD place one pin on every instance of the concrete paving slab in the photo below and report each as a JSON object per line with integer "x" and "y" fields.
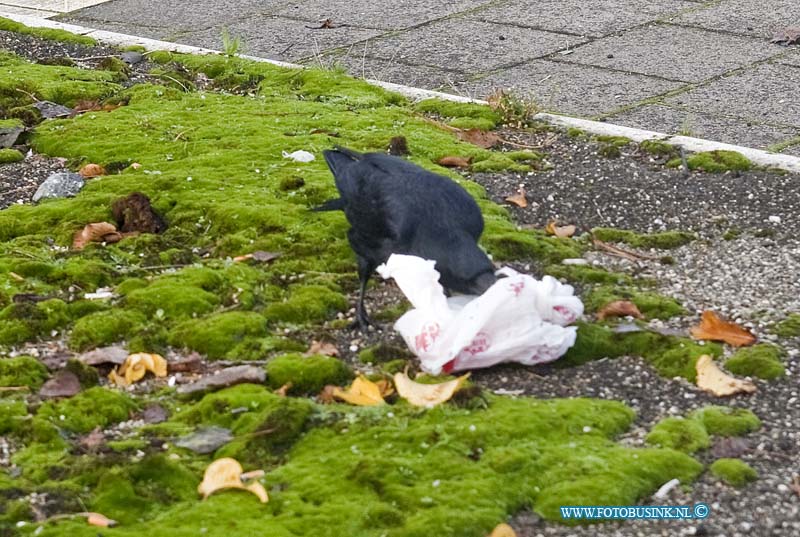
{"x": 793, "y": 58}
{"x": 702, "y": 125}
{"x": 61, "y": 6}
{"x": 365, "y": 13}
{"x": 361, "y": 66}
{"x": 14, "y": 10}
{"x": 194, "y": 15}
{"x": 745, "y": 17}
{"x": 281, "y": 39}
{"x": 674, "y": 52}
{"x": 572, "y": 89}
{"x": 597, "y": 18}
{"x": 472, "y": 46}
{"x": 767, "y": 93}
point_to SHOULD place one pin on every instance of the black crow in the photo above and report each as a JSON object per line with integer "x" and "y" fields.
{"x": 394, "y": 206}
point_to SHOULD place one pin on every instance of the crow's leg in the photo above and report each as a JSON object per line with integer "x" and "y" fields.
{"x": 365, "y": 269}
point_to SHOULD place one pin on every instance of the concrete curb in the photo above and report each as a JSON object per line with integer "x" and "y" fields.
{"x": 757, "y": 156}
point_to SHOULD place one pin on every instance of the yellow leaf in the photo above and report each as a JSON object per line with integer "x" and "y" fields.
{"x": 96, "y": 519}
{"x": 427, "y": 395}
{"x": 503, "y": 530}
{"x": 562, "y": 232}
{"x": 362, "y": 392}
{"x": 712, "y": 379}
{"x": 227, "y": 473}
{"x": 135, "y": 366}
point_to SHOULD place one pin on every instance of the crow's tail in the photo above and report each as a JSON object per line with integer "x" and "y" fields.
{"x": 336, "y": 204}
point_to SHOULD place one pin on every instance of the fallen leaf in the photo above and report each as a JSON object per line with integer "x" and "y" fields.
{"x": 787, "y": 36}
{"x": 135, "y": 166}
{"x": 322, "y": 347}
{"x": 326, "y": 25}
{"x": 184, "y": 364}
{"x": 619, "y": 308}
{"x": 104, "y": 355}
{"x": 484, "y": 139}
{"x": 63, "y": 384}
{"x": 326, "y": 396}
{"x": 730, "y": 447}
{"x": 519, "y": 198}
{"x": 503, "y": 530}
{"x": 229, "y": 376}
{"x": 96, "y": 519}
{"x": 97, "y": 232}
{"x": 93, "y": 440}
{"x": 84, "y": 106}
{"x": 716, "y": 329}
{"x": 454, "y": 161}
{"x": 559, "y": 231}
{"x": 155, "y": 413}
{"x": 134, "y": 213}
{"x": 136, "y": 366}
{"x": 92, "y": 170}
{"x": 362, "y": 392}
{"x": 712, "y": 379}
{"x": 427, "y": 395}
{"x": 227, "y": 473}
{"x": 283, "y": 391}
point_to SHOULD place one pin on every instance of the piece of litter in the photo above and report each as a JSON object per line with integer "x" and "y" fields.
{"x": 503, "y": 391}
{"x": 299, "y": 156}
{"x": 575, "y": 261}
{"x": 774, "y": 219}
{"x": 101, "y": 294}
{"x": 665, "y": 489}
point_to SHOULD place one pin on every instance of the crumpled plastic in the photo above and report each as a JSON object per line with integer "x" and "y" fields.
{"x": 518, "y": 319}
{"x": 299, "y": 156}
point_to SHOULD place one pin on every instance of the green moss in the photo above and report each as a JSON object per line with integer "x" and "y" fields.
{"x": 461, "y": 115}
{"x": 95, "y": 407}
{"x": 715, "y": 161}
{"x": 682, "y": 434}
{"x": 652, "y": 305}
{"x": 10, "y": 155}
{"x": 734, "y": 472}
{"x": 513, "y": 161}
{"x": 789, "y": 327}
{"x": 661, "y": 240}
{"x": 23, "y": 321}
{"x": 658, "y": 148}
{"x": 307, "y": 304}
{"x": 670, "y": 356}
{"x": 574, "y": 132}
{"x": 584, "y": 274}
{"x": 105, "y": 328}
{"x": 165, "y": 299}
{"x": 307, "y": 374}
{"x": 45, "y": 33}
{"x": 762, "y": 361}
{"x": 12, "y": 414}
{"x": 533, "y": 245}
{"x": 22, "y": 371}
{"x": 87, "y": 375}
{"x": 131, "y": 284}
{"x": 222, "y": 335}
{"x": 726, "y": 421}
{"x": 732, "y": 234}
{"x": 383, "y": 352}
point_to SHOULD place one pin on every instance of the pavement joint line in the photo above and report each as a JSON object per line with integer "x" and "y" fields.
{"x": 757, "y": 156}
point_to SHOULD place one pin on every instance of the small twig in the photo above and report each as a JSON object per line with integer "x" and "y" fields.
{"x": 14, "y": 388}
{"x": 178, "y": 82}
{"x": 88, "y": 58}
{"x": 31, "y": 95}
{"x": 621, "y": 252}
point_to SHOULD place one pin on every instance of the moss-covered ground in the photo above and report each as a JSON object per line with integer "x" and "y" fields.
{"x": 212, "y": 164}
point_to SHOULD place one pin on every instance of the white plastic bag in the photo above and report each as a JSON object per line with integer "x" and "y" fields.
{"x": 518, "y": 319}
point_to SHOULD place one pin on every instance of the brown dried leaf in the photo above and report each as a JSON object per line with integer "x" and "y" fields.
{"x": 97, "y": 232}
{"x": 63, "y": 384}
{"x": 559, "y": 231}
{"x": 283, "y": 391}
{"x": 454, "y": 161}
{"x": 362, "y": 392}
{"x": 787, "y": 36}
{"x": 227, "y": 473}
{"x": 326, "y": 25}
{"x": 484, "y": 139}
{"x": 716, "y": 329}
{"x": 96, "y": 519}
{"x": 105, "y": 355}
{"x": 322, "y": 347}
{"x": 619, "y": 308}
{"x": 712, "y": 379}
{"x": 92, "y": 170}
{"x": 426, "y": 395}
{"x": 135, "y": 366}
{"x": 503, "y": 530}
{"x": 519, "y": 198}
{"x": 326, "y": 396}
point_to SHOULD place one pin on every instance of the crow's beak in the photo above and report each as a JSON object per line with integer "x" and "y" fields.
{"x": 481, "y": 283}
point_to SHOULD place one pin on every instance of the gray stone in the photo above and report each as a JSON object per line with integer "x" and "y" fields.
{"x": 596, "y": 18}
{"x": 790, "y": 58}
{"x": 52, "y": 110}
{"x": 104, "y": 355}
{"x": 9, "y": 135}
{"x": 282, "y": 39}
{"x": 132, "y": 57}
{"x": 63, "y": 384}
{"x": 674, "y": 52}
{"x": 745, "y": 17}
{"x": 226, "y": 377}
{"x": 365, "y": 13}
{"x": 59, "y": 185}
{"x": 471, "y": 46}
{"x": 571, "y": 89}
{"x": 767, "y": 93}
{"x": 205, "y": 440}
{"x": 728, "y": 129}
